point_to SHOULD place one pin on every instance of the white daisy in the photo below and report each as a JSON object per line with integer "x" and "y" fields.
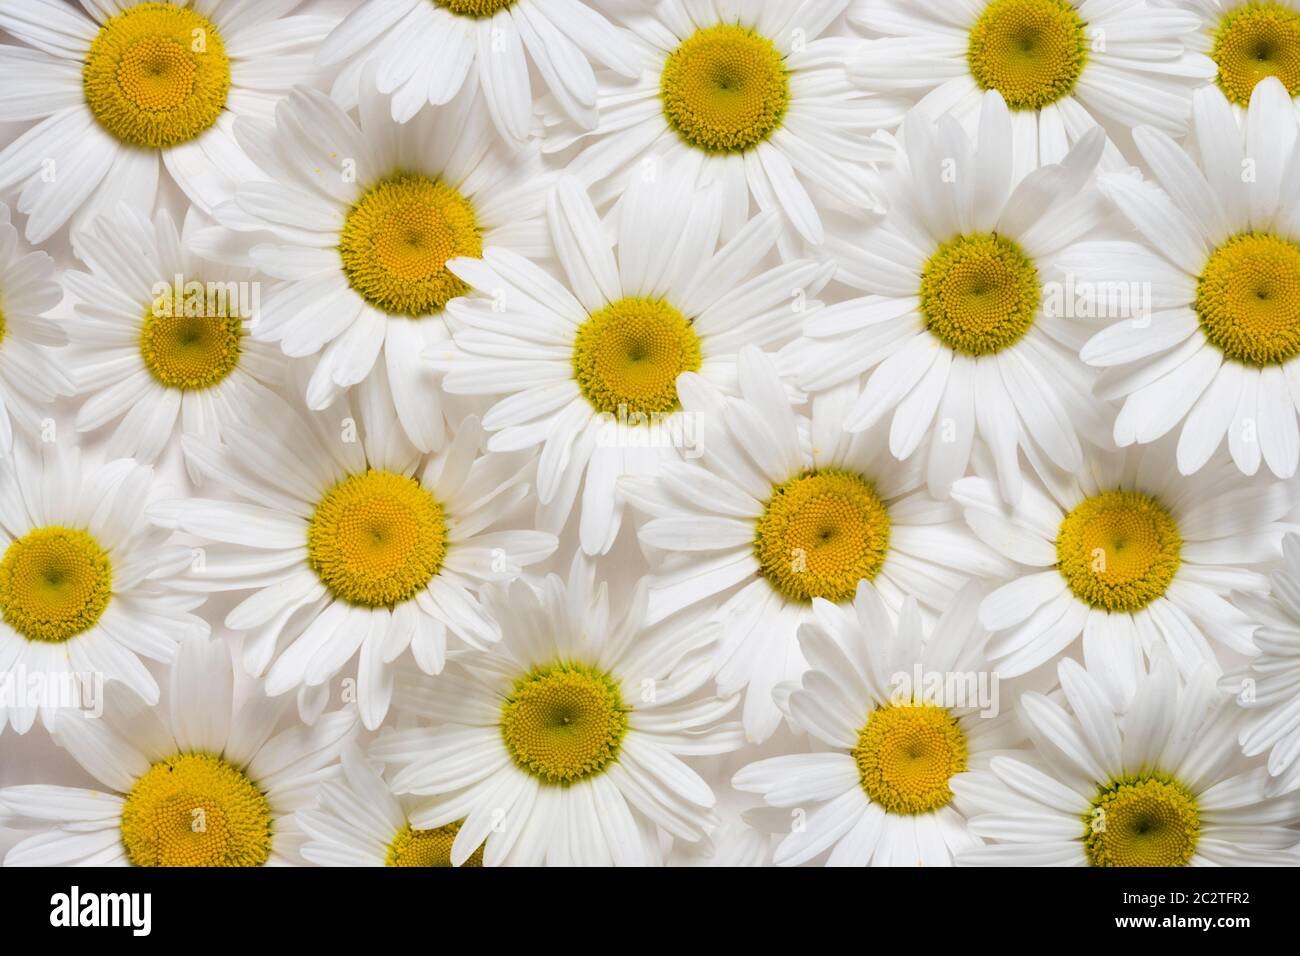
{"x": 359, "y": 219}
{"x": 562, "y": 744}
{"x": 782, "y": 510}
{"x": 1150, "y": 787}
{"x": 160, "y": 336}
{"x": 1219, "y": 249}
{"x": 84, "y": 578}
{"x": 1248, "y": 41}
{"x": 750, "y": 95}
{"x": 130, "y": 82}
{"x": 879, "y": 788}
{"x": 205, "y": 782}
{"x": 354, "y": 544}
{"x": 425, "y": 51}
{"x": 1063, "y": 66}
{"x": 1129, "y": 554}
{"x": 960, "y": 331}
{"x": 589, "y": 369}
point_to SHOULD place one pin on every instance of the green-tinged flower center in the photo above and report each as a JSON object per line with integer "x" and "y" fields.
{"x": 413, "y": 847}
{"x": 1248, "y": 299}
{"x": 979, "y": 294}
{"x": 1119, "y": 550}
{"x": 55, "y": 583}
{"x": 906, "y": 754}
{"x": 1148, "y": 820}
{"x": 190, "y": 351}
{"x": 478, "y": 9}
{"x": 564, "y": 723}
{"x": 1030, "y": 51}
{"x": 1255, "y": 41}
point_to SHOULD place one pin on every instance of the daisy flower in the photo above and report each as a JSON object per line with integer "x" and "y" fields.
{"x": 1129, "y": 554}
{"x": 425, "y": 52}
{"x": 1249, "y": 41}
{"x": 354, "y": 544}
{"x": 959, "y": 332}
{"x": 589, "y": 370}
{"x": 84, "y": 577}
{"x": 1149, "y": 787}
{"x": 204, "y": 782}
{"x": 160, "y": 336}
{"x": 879, "y": 788}
{"x": 750, "y": 95}
{"x": 782, "y": 510}
{"x": 359, "y": 219}
{"x": 1218, "y": 242}
{"x": 129, "y": 83}
{"x": 1062, "y": 66}
{"x": 30, "y": 374}
{"x": 562, "y": 744}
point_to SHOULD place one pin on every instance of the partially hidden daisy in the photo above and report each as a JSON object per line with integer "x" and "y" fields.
{"x": 781, "y": 511}
{"x": 205, "y": 781}
{"x": 589, "y": 368}
{"x": 1248, "y": 42}
{"x": 1155, "y": 784}
{"x": 878, "y": 789}
{"x": 354, "y": 544}
{"x": 563, "y": 743}
{"x": 85, "y": 581}
{"x": 131, "y": 83}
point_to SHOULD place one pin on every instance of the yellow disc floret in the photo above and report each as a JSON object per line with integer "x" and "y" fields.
{"x": 1118, "y": 550}
{"x": 397, "y": 239}
{"x": 413, "y": 847}
{"x": 820, "y": 534}
{"x": 1147, "y": 820}
{"x": 1030, "y": 51}
{"x": 725, "y": 89}
{"x": 157, "y": 75}
{"x": 1248, "y": 299}
{"x": 906, "y": 754}
{"x": 376, "y": 539}
{"x": 190, "y": 349}
{"x": 55, "y": 583}
{"x": 979, "y": 294}
{"x": 564, "y": 723}
{"x": 478, "y": 9}
{"x": 196, "y": 809}
{"x": 1255, "y": 41}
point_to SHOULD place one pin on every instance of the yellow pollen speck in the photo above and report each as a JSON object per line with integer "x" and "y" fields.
{"x": 820, "y": 534}
{"x": 564, "y": 723}
{"x": 55, "y": 583}
{"x": 156, "y": 75}
{"x": 397, "y": 239}
{"x": 413, "y": 847}
{"x": 1255, "y": 41}
{"x": 196, "y": 810}
{"x": 1030, "y": 51}
{"x": 376, "y": 539}
{"x": 1118, "y": 551}
{"x": 1147, "y": 820}
{"x": 477, "y": 9}
{"x": 906, "y": 754}
{"x": 189, "y": 352}
{"x": 979, "y": 294}
{"x": 725, "y": 89}
{"x": 1248, "y": 299}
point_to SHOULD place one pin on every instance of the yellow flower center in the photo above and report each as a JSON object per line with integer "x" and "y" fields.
{"x": 397, "y": 239}
{"x": 413, "y": 847}
{"x": 1148, "y": 820}
{"x": 564, "y": 723}
{"x": 376, "y": 539}
{"x": 979, "y": 294}
{"x": 475, "y": 8}
{"x": 157, "y": 75}
{"x": 725, "y": 89}
{"x": 820, "y": 534}
{"x": 188, "y": 348}
{"x": 1248, "y": 299}
{"x": 1030, "y": 51}
{"x": 1119, "y": 550}
{"x": 1255, "y": 41}
{"x": 55, "y": 583}
{"x": 630, "y": 353}
{"x": 196, "y": 810}
{"x": 906, "y": 754}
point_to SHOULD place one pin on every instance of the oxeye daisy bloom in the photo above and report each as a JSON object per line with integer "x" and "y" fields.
{"x": 161, "y": 336}
{"x": 355, "y": 545}
{"x": 1249, "y": 41}
{"x": 360, "y": 822}
{"x": 130, "y": 83}
{"x": 589, "y": 369}
{"x": 959, "y": 333}
{"x": 425, "y": 52}
{"x": 879, "y": 788}
{"x": 1062, "y": 66}
{"x": 1130, "y": 554}
{"x": 753, "y": 97}
{"x": 205, "y": 781}
{"x": 84, "y": 578}
{"x": 1150, "y": 786}
{"x": 563, "y": 743}
{"x": 781, "y": 511}
{"x": 1219, "y": 246}
{"x": 31, "y": 376}
{"x": 359, "y": 219}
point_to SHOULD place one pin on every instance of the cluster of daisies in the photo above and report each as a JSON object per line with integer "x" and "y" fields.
{"x": 640, "y": 432}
